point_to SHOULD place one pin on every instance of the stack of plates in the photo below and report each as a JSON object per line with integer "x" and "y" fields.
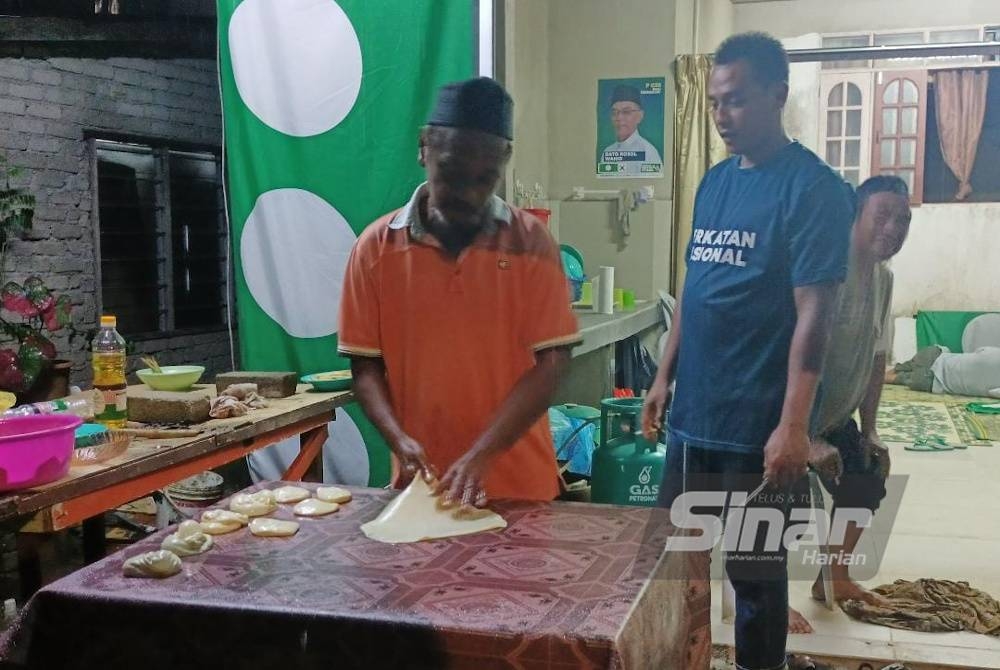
{"x": 206, "y": 486}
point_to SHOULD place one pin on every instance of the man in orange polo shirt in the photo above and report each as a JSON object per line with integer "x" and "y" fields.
{"x": 455, "y": 314}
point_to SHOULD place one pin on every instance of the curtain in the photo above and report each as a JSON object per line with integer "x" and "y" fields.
{"x": 697, "y": 147}
{"x": 322, "y": 103}
{"x": 961, "y": 105}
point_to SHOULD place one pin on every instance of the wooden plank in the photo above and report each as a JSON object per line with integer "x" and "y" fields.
{"x": 272, "y": 423}
{"x": 85, "y": 505}
{"x": 66, "y": 489}
{"x": 231, "y": 438}
{"x": 280, "y": 412}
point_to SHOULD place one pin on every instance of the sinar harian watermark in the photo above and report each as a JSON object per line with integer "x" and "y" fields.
{"x": 742, "y": 527}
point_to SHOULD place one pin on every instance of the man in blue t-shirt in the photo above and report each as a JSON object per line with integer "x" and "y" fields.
{"x": 767, "y": 253}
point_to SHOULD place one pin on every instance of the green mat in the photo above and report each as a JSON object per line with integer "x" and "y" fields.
{"x": 972, "y": 429}
{"x": 908, "y": 422}
{"x": 979, "y": 429}
{"x": 897, "y": 393}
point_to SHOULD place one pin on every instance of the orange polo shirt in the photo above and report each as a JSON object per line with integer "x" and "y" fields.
{"x": 457, "y": 334}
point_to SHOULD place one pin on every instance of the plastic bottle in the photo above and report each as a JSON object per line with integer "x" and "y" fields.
{"x": 108, "y": 359}
{"x": 80, "y": 404}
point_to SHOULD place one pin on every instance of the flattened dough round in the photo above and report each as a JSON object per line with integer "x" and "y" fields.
{"x": 157, "y": 564}
{"x": 189, "y": 540}
{"x": 417, "y": 514}
{"x": 314, "y": 507}
{"x": 222, "y": 521}
{"x": 290, "y": 494}
{"x": 254, "y": 504}
{"x": 273, "y": 528}
{"x": 333, "y": 494}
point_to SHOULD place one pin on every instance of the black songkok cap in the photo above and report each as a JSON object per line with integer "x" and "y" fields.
{"x": 475, "y": 104}
{"x": 626, "y": 93}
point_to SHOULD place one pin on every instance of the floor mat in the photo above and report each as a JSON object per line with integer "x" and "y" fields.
{"x": 909, "y": 421}
{"x": 981, "y": 429}
{"x": 898, "y": 393}
{"x": 972, "y": 429}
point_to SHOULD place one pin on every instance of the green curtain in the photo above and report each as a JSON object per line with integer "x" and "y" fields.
{"x": 697, "y": 147}
{"x": 322, "y": 104}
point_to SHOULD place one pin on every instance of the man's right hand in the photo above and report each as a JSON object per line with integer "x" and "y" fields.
{"x": 412, "y": 459}
{"x": 654, "y": 408}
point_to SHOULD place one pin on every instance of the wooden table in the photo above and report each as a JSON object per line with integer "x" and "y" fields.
{"x": 151, "y": 464}
{"x": 566, "y": 586}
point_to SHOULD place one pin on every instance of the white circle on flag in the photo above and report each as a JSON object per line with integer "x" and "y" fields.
{"x": 294, "y": 250}
{"x": 297, "y": 63}
{"x": 345, "y": 456}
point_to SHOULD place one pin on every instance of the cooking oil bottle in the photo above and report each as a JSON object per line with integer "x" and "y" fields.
{"x": 108, "y": 352}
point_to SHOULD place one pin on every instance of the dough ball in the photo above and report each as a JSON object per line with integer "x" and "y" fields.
{"x": 314, "y": 507}
{"x": 273, "y": 528}
{"x": 157, "y": 564}
{"x": 224, "y": 516}
{"x": 188, "y": 528}
{"x": 254, "y": 504}
{"x": 189, "y": 540}
{"x": 333, "y": 494}
{"x": 290, "y": 494}
{"x": 222, "y": 521}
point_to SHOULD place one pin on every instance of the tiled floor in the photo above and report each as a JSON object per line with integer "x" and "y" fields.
{"x": 948, "y": 527}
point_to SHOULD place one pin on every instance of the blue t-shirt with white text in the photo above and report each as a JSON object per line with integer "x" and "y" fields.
{"x": 757, "y": 234}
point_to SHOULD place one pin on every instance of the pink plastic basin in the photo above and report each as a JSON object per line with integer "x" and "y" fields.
{"x": 35, "y": 450}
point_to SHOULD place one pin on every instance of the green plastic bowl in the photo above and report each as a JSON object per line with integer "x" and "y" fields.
{"x": 335, "y": 380}
{"x": 171, "y": 377}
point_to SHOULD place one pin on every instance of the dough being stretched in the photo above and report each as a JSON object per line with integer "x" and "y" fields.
{"x": 254, "y": 504}
{"x": 273, "y": 528}
{"x": 314, "y": 507}
{"x": 333, "y": 494}
{"x": 290, "y": 494}
{"x": 157, "y": 564}
{"x": 222, "y": 521}
{"x": 189, "y": 540}
{"x": 417, "y": 514}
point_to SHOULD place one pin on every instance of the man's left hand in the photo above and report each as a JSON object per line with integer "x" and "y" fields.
{"x": 826, "y": 460}
{"x": 463, "y": 483}
{"x": 878, "y": 452}
{"x": 786, "y": 455}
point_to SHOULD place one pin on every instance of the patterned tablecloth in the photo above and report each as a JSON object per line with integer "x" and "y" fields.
{"x": 564, "y": 586}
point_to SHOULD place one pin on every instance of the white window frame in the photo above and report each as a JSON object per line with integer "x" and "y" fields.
{"x": 865, "y": 82}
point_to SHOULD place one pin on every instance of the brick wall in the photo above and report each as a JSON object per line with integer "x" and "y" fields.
{"x": 46, "y": 105}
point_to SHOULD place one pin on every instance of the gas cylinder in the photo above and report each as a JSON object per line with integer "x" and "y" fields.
{"x": 627, "y": 467}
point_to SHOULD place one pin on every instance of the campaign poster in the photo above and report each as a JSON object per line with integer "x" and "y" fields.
{"x": 630, "y": 127}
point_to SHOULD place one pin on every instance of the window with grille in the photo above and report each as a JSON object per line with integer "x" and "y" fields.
{"x": 876, "y": 117}
{"x": 161, "y": 242}
{"x": 910, "y": 38}
{"x": 846, "y": 124}
{"x": 841, "y": 41}
{"x": 900, "y": 120}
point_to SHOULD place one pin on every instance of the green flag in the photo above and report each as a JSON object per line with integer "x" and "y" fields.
{"x": 322, "y": 103}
